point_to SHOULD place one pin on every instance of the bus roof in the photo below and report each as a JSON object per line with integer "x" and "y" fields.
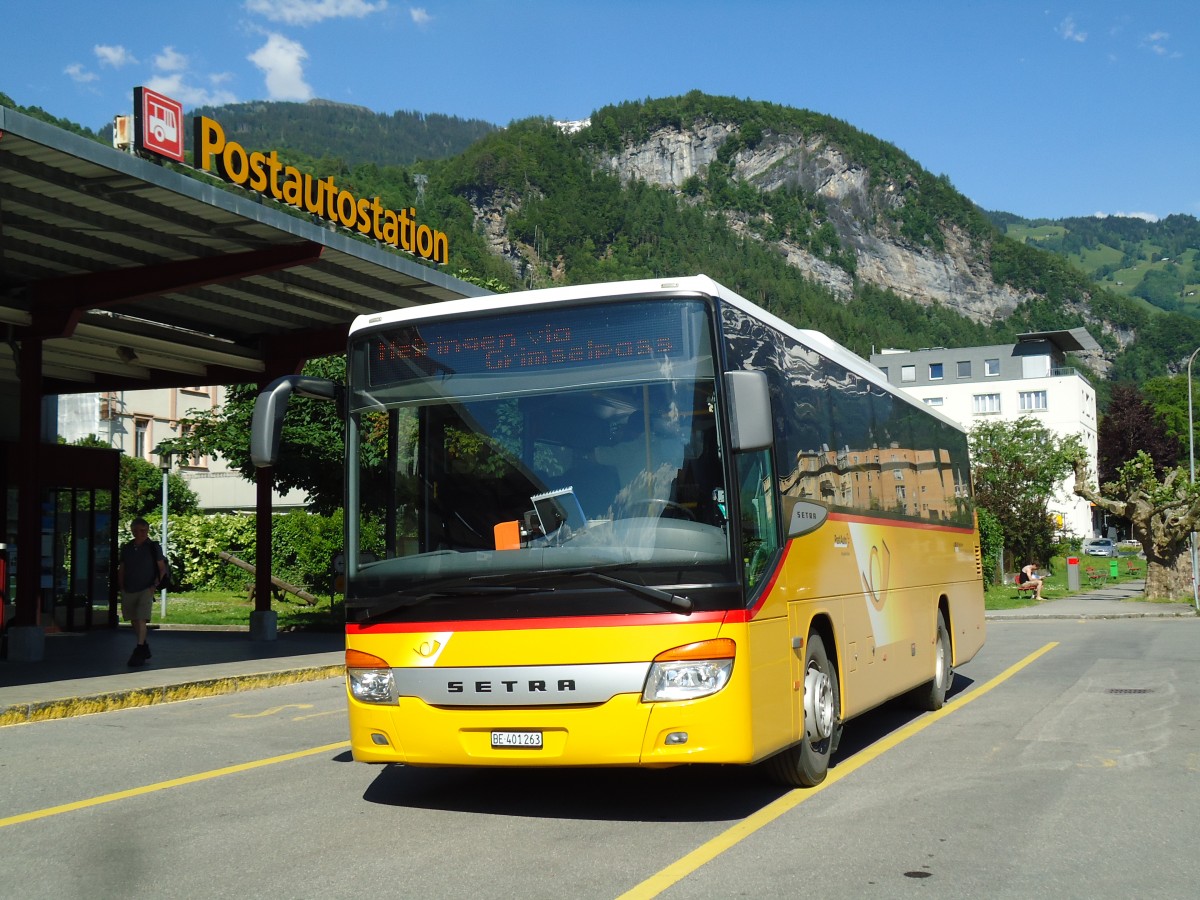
{"x": 690, "y": 285}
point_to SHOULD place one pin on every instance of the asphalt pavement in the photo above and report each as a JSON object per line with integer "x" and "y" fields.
{"x": 88, "y": 672}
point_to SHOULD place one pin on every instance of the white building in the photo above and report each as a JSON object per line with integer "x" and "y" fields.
{"x": 135, "y": 422}
{"x": 1007, "y": 381}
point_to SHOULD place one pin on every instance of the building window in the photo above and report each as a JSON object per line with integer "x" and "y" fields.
{"x": 908, "y": 373}
{"x": 1033, "y": 400}
{"x": 141, "y": 436}
{"x": 899, "y": 492}
{"x": 982, "y": 404}
{"x": 194, "y": 459}
{"x": 964, "y": 368}
{"x": 884, "y": 369}
{"x": 991, "y": 367}
{"x": 933, "y": 401}
{"x": 935, "y": 371}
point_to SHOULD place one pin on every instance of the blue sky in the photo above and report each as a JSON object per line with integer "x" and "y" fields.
{"x": 1041, "y": 109}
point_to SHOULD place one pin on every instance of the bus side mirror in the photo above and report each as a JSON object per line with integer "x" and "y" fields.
{"x": 266, "y": 428}
{"x": 749, "y": 409}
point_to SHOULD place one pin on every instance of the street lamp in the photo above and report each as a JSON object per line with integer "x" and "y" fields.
{"x": 164, "y": 463}
{"x": 1192, "y": 477}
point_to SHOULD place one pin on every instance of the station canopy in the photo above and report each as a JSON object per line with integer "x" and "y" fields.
{"x": 136, "y": 276}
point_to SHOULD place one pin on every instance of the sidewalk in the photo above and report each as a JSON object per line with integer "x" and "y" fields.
{"x": 87, "y": 672}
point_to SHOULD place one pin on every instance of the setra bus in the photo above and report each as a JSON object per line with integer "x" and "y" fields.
{"x": 637, "y": 524}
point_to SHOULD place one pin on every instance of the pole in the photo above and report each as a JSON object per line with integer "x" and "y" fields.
{"x": 1192, "y": 478}
{"x": 165, "y": 472}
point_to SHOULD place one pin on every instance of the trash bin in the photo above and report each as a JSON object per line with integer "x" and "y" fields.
{"x": 1112, "y": 568}
{"x": 1072, "y": 573}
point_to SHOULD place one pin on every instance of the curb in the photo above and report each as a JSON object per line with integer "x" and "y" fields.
{"x": 1082, "y": 616}
{"x": 68, "y": 707}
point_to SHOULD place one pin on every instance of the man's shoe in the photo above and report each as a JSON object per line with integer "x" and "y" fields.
{"x": 137, "y": 658}
{"x": 146, "y": 650}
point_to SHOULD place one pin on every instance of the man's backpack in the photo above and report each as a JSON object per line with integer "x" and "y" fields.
{"x": 167, "y": 582}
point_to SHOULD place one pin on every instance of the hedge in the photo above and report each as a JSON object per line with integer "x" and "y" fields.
{"x": 302, "y": 548}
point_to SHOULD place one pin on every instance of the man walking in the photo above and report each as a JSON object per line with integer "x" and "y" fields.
{"x": 141, "y": 570}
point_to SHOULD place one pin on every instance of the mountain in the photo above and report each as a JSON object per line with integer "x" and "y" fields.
{"x": 354, "y": 134}
{"x": 826, "y": 225}
{"x": 1157, "y": 262}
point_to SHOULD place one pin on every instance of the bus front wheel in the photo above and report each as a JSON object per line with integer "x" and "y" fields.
{"x": 806, "y": 764}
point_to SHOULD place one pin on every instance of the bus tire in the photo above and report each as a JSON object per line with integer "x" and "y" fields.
{"x": 805, "y": 764}
{"x": 932, "y": 695}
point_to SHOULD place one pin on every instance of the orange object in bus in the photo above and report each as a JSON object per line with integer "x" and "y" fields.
{"x": 508, "y": 535}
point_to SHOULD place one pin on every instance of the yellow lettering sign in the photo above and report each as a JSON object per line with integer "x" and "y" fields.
{"x": 265, "y": 174}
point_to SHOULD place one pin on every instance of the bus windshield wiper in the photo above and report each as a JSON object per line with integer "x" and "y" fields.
{"x": 598, "y": 572}
{"x": 662, "y": 598}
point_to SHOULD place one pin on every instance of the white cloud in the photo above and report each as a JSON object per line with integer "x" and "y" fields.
{"x": 1149, "y": 217}
{"x": 170, "y": 60}
{"x": 282, "y": 62}
{"x": 1066, "y": 28}
{"x": 115, "y": 56}
{"x": 177, "y": 88}
{"x": 308, "y": 12}
{"x": 79, "y": 74}
{"x": 1156, "y": 43}
{"x": 420, "y": 16}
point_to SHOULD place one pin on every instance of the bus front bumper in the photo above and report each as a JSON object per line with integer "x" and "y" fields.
{"x": 624, "y": 731}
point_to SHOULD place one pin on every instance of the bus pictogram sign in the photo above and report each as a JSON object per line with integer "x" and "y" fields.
{"x": 158, "y": 124}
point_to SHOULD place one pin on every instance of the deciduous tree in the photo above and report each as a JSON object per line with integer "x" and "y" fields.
{"x": 1016, "y": 467}
{"x": 1162, "y": 514}
{"x": 1132, "y": 424}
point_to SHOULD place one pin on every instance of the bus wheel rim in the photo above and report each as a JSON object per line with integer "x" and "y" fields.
{"x": 818, "y": 705}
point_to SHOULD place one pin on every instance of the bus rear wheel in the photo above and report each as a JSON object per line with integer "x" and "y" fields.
{"x": 932, "y": 695}
{"x": 806, "y": 764}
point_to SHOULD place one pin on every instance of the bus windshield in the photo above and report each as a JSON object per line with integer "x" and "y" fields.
{"x": 496, "y": 460}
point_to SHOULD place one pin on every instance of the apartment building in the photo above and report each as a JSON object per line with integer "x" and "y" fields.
{"x": 135, "y": 422}
{"x": 1008, "y": 381}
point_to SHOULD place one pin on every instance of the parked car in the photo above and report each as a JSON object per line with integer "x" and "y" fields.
{"x": 1100, "y": 547}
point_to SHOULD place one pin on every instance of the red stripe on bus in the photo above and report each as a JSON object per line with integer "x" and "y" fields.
{"x": 711, "y": 616}
{"x": 899, "y": 523}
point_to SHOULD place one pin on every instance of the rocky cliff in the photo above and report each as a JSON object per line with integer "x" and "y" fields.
{"x": 956, "y": 276}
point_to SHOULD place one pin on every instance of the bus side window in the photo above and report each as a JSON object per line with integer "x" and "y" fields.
{"x": 759, "y": 534}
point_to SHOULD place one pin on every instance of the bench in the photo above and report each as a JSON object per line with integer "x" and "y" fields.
{"x": 1098, "y": 577}
{"x": 1131, "y": 568}
{"x": 1027, "y": 586}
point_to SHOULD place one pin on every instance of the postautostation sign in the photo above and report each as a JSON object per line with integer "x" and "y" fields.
{"x": 159, "y": 130}
{"x": 267, "y": 174}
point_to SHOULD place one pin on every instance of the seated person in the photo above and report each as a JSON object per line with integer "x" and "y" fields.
{"x": 1029, "y": 580}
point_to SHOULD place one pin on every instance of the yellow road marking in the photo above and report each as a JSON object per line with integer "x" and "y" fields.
{"x": 681, "y": 868}
{"x": 328, "y": 712}
{"x": 271, "y": 711}
{"x": 174, "y": 782}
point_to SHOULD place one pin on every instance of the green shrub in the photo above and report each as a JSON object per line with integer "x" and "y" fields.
{"x": 991, "y": 542}
{"x": 302, "y": 549}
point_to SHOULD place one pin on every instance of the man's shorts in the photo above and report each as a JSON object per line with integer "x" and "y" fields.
{"x": 137, "y": 605}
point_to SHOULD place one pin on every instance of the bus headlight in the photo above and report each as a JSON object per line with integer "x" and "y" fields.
{"x": 691, "y": 671}
{"x": 370, "y": 678}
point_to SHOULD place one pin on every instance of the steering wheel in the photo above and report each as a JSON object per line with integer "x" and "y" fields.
{"x": 684, "y": 512}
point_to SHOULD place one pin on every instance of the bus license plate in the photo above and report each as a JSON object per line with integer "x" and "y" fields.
{"x": 509, "y": 740}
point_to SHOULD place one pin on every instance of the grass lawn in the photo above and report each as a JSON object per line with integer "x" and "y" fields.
{"x": 1054, "y": 584}
{"x": 219, "y": 608}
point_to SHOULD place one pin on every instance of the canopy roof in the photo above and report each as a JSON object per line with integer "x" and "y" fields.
{"x": 137, "y": 276}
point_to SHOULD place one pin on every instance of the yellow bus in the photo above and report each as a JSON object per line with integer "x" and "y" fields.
{"x": 637, "y": 524}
